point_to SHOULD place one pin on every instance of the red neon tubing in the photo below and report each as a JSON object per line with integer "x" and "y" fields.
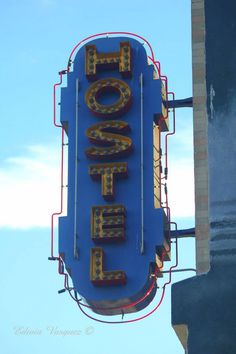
{"x": 61, "y": 193}
{"x": 147, "y": 314}
{"x": 62, "y": 165}
{"x": 54, "y": 101}
{"x": 66, "y": 286}
{"x": 171, "y": 133}
{"x": 105, "y": 34}
{"x": 62, "y": 159}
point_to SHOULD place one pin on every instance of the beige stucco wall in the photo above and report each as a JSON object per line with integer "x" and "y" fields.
{"x": 200, "y": 137}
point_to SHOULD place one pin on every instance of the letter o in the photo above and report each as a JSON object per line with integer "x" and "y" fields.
{"x": 120, "y": 106}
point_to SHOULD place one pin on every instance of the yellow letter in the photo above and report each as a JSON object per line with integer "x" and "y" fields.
{"x": 116, "y": 145}
{"x": 108, "y": 223}
{"x": 120, "y": 60}
{"x": 107, "y": 172}
{"x": 98, "y": 88}
{"x": 100, "y": 277}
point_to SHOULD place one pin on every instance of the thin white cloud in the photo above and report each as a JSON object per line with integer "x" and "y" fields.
{"x": 181, "y": 188}
{"x": 181, "y": 172}
{"x": 30, "y": 188}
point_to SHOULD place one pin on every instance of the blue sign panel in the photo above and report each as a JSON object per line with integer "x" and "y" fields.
{"x": 109, "y": 239}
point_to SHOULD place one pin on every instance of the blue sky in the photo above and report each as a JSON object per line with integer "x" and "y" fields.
{"x": 36, "y": 39}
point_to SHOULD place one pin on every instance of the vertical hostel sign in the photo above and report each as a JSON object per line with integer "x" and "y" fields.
{"x": 115, "y": 225}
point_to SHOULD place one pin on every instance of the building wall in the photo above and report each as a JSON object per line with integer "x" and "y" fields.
{"x": 203, "y": 307}
{"x": 200, "y": 136}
